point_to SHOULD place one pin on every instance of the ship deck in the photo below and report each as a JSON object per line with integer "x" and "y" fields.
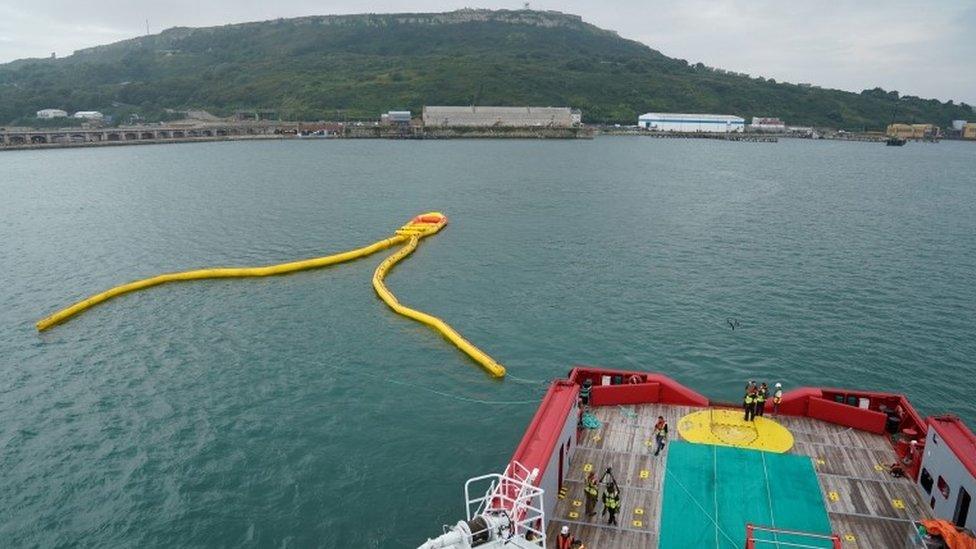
{"x": 866, "y": 506}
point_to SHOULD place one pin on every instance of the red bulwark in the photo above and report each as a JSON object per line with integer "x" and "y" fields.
{"x": 960, "y": 439}
{"x": 846, "y": 415}
{"x": 650, "y": 388}
{"x": 865, "y": 410}
{"x": 541, "y": 437}
{"x": 638, "y": 393}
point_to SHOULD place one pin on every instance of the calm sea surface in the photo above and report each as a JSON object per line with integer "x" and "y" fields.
{"x": 291, "y": 411}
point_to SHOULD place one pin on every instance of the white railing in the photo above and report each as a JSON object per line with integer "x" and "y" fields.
{"x": 512, "y": 495}
{"x": 811, "y": 540}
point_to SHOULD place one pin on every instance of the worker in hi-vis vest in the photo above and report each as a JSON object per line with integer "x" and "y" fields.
{"x": 749, "y": 403}
{"x": 592, "y": 493}
{"x": 584, "y": 393}
{"x": 611, "y": 502}
{"x": 761, "y": 399}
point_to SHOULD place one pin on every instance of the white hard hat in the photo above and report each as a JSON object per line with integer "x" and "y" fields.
{"x": 779, "y": 384}
{"x": 565, "y": 530}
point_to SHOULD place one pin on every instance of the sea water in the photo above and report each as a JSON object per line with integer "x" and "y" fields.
{"x": 299, "y": 411}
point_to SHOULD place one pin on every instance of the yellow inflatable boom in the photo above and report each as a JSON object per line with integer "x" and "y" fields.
{"x": 419, "y": 227}
{"x": 479, "y": 356}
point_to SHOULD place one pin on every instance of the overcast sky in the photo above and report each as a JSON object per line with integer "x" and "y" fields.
{"x": 920, "y": 47}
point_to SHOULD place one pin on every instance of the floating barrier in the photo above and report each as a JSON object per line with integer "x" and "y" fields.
{"x": 418, "y": 228}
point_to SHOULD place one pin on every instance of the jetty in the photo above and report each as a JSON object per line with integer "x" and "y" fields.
{"x": 721, "y": 136}
{"x": 38, "y": 138}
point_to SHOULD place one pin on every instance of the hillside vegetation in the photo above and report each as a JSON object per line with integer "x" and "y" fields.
{"x": 362, "y": 65}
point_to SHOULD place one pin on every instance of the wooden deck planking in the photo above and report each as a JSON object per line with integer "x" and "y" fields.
{"x": 635, "y": 470}
{"x": 813, "y": 431}
{"x": 868, "y": 533}
{"x": 848, "y": 462}
{"x": 635, "y": 504}
{"x": 599, "y": 536}
{"x": 884, "y": 500}
{"x": 625, "y": 443}
{"x": 853, "y": 465}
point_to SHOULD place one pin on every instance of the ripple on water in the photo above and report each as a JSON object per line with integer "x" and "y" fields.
{"x": 259, "y": 413}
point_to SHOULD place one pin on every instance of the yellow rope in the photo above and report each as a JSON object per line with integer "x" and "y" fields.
{"x": 411, "y": 233}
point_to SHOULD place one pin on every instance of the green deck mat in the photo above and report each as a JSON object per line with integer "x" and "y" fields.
{"x": 712, "y": 492}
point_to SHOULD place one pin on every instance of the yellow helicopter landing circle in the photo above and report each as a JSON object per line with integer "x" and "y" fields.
{"x": 728, "y": 428}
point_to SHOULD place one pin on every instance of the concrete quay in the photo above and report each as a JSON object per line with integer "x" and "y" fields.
{"x": 36, "y": 138}
{"x": 33, "y": 138}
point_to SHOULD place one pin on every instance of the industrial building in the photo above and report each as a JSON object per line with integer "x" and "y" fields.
{"x": 913, "y": 131}
{"x": 89, "y": 115}
{"x": 396, "y": 118}
{"x": 509, "y": 117}
{"x": 689, "y": 123}
{"x": 51, "y": 113}
{"x": 969, "y": 131}
{"x": 761, "y": 124}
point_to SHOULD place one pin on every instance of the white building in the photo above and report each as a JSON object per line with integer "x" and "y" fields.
{"x": 511, "y": 117}
{"x": 761, "y": 124}
{"x": 51, "y": 113}
{"x": 89, "y": 115}
{"x": 672, "y": 122}
{"x": 399, "y": 117}
{"x": 805, "y": 131}
{"x": 958, "y": 125}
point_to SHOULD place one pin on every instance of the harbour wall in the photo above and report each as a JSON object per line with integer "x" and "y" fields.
{"x": 29, "y": 138}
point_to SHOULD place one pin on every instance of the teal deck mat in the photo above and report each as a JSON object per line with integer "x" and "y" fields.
{"x": 712, "y": 492}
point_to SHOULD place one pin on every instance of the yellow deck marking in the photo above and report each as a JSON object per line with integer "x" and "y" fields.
{"x": 898, "y": 504}
{"x": 596, "y": 438}
{"x": 833, "y": 496}
{"x": 587, "y": 467}
{"x": 638, "y": 524}
{"x": 820, "y": 461}
{"x": 638, "y": 511}
{"x": 725, "y": 427}
{"x": 577, "y": 503}
{"x": 645, "y": 473}
{"x": 573, "y": 514}
{"x": 878, "y": 467}
{"x": 849, "y": 537}
{"x": 648, "y": 443}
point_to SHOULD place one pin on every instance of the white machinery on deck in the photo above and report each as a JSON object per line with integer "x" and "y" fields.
{"x": 510, "y": 513}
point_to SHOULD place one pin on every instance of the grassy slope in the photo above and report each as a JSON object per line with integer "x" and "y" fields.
{"x": 310, "y": 67}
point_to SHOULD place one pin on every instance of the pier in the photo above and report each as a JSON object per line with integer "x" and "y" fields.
{"x": 722, "y": 136}
{"x": 33, "y": 138}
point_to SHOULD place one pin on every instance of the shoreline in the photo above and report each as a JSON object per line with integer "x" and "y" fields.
{"x": 291, "y": 131}
{"x": 63, "y": 138}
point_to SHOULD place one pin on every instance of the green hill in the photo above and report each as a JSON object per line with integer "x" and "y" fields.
{"x": 312, "y": 67}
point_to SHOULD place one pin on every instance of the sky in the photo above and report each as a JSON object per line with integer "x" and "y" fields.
{"x": 924, "y": 48}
